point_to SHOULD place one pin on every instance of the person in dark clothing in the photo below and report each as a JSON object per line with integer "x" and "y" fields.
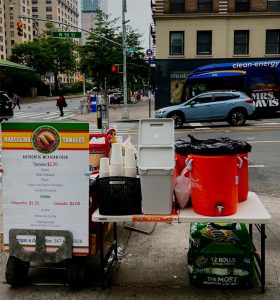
{"x": 16, "y": 100}
{"x": 61, "y": 103}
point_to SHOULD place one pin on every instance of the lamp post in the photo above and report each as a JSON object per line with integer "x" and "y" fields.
{"x": 125, "y": 114}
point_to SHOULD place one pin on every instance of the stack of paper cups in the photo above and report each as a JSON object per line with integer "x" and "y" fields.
{"x": 104, "y": 170}
{"x": 118, "y": 139}
{"x": 130, "y": 163}
{"x": 116, "y": 160}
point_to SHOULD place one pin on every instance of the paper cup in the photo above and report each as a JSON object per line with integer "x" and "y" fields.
{"x": 130, "y": 172}
{"x": 116, "y": 154}
{"x": 104, "y": 174}
{"x": 116, "y": 170}
{"x": 129, "y": 158}
{"x": 119, "y": 139}
{"x": 104, "y": 165}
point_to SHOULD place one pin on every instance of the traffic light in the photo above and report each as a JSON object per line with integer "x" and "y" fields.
{"x": 117, "y": 68}
{"x": 19, "y": 28}
{"x": 114, "y": 69}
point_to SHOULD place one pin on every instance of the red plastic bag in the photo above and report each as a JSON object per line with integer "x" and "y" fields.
{"x": 182, "y": 188}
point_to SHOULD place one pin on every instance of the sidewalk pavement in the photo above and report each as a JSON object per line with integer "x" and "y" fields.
{"x": 136, "y": 111}
{"x": 155, "y": 267}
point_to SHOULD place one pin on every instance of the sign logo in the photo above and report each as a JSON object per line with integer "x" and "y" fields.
{"x": 45, "y": 139}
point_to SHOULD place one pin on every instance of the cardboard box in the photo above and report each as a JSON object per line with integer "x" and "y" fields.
{"x": 94, "y": 238}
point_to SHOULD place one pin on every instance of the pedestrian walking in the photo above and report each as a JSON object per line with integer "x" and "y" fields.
{"x": 61, "y": 103}
{"x": 16, "y": 100}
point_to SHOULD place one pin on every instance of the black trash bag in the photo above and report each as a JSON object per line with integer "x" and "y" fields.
{"x": 183, "y": 147}
{"x": 217, "y": 146}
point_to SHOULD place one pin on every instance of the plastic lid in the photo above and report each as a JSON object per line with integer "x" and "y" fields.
{"x": 156, "y": 132}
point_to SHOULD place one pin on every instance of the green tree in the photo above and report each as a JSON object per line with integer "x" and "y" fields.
{"x": 47, "y": 54}
{"x": 99, "y": 53}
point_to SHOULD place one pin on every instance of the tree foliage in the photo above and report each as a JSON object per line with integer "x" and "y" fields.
{"x": 104, "y": 49}
{"x": 46, "y": 55}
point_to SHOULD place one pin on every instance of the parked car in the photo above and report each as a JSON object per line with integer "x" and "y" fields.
{"x": 231, "y": 106}
{"x": 6, "y": 107}
{"x": 116, "y": 98}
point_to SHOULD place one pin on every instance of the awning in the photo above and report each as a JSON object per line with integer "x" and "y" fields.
{"x": 10, "y": 64}
{"x": 215, "y": 74}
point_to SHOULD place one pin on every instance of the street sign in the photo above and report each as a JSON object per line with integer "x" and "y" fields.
{"x": 149, "y": 52}
{"x": 67, "y": 34}
{"x": 131, "y": 49}
{"x": 150, "y": 59}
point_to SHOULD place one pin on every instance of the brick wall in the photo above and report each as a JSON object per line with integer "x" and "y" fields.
{"x": 258, "y": 5}
{"x": 215, "y": 6}
{"x": 166, "y": 6}
{"x": 255, "y": 5}
{"x": 190, "y": 6}
{"x": 231, "y": 6}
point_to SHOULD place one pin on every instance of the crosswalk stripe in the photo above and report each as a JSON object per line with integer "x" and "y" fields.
{"x": 37, "y": 116}
{"x": 65, "y": 117}
{"x": 52, "y": 117}
{"x": 24, "y": 114}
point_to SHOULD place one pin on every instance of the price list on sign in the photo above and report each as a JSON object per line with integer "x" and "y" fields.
{"x": 44, "y": 181}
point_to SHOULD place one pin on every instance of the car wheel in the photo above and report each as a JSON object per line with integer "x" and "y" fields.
{"x": 237, "y": 118}
{"x": 178, "y": 119}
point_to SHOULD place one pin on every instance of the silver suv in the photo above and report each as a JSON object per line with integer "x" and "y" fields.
{"x": 231, "y": 106}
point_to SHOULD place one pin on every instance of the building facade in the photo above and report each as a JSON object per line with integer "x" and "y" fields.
{"x": 88, "y": 15}
{"x": 10, "y": 11}
{"x": 193, "y": 33}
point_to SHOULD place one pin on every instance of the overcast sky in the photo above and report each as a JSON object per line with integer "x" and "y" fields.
{"x": 139, "y": 14}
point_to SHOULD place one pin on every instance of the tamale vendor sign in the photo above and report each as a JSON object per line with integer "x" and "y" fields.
{"x": 44, "y": 181}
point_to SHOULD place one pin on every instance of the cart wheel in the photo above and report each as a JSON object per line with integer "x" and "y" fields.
{"x": 16, "y": 271}
{"x": 75, "y": 272}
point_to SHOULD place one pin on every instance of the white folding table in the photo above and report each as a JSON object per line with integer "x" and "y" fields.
{"x": 251, "y": 212}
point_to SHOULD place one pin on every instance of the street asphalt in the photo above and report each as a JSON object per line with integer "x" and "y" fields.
{"x": 155, "y": 266}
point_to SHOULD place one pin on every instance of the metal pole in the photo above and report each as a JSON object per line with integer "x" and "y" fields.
{"x": 50, "y": 82}
{"x": 149, "y": 76}
{"x": 84, "y": 84}
{"x": 107, "y": 105}
{"x": 125, "y": 109}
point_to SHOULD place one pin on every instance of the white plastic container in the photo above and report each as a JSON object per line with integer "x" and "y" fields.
{"x": 156, "y": 168}
{"x": 156, "y": 132}
{"x": 130, "y": 172}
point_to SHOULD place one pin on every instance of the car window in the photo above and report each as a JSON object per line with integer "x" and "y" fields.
{"x": 203, "y": 99}
{"x": 222, "y": 97}
{"x": 4, "y": 98}
{"x": 234, "y": 96}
